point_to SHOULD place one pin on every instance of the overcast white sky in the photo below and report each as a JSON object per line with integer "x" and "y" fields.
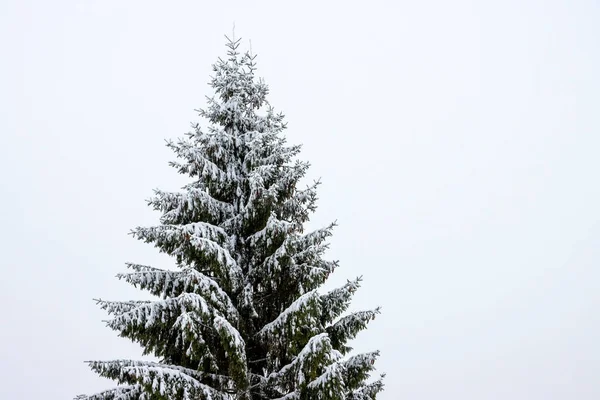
{"x": 457, "y": 141}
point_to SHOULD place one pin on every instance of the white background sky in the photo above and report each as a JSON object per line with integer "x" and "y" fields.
{"x": 457, "y": 141}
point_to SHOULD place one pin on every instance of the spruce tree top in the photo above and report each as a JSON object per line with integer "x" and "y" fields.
{"x": 240, "y": 317}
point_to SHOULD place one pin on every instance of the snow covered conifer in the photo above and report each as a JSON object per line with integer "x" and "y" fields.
{"x": 241, "y": 316}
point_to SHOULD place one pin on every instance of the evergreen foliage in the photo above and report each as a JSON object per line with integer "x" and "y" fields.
{"x": 241, "y": 317}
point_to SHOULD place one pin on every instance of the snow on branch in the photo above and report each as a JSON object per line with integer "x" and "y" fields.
{"x": 368, "y": 391}
{"x": 330, "y": 381}
{"x": 235, "y": 349}
{"x": 166, "y": 284}
{"x": 316, "y": 353}
{"x": 197, "y": 163}
{"x": 266, "y": 147}
{"x": 304, "y": 250}
{"x": 298, "y": 206}
{"x": 194, "y": 204}
{"x": 158, "y": 312}
{"x": 164, "y": 235}
{"x": 159, "y": 379}
{"x": 357, "y": 368}
{"x": 194, "y": 240}
{"x": 338, "y": 300}
{"x": 120, "y": 307}
{"x": 295, "y": 395}
{"x": 128, "y": 392}
{"x": 315, "y": 238}
{"x": 302, "y": 307}
{"x": 273, "y": 227}
{"x": 347, "y": 327}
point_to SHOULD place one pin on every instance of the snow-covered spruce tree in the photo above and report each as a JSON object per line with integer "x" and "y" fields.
{"x": 240, "y": 317}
